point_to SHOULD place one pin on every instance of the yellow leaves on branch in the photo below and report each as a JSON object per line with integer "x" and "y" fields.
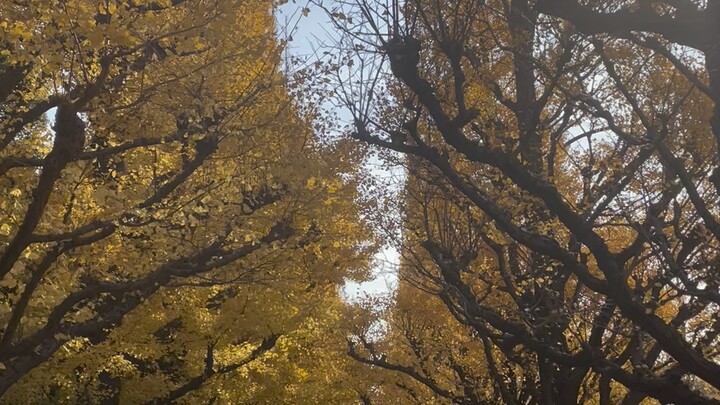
{"x": 200, "y": 212}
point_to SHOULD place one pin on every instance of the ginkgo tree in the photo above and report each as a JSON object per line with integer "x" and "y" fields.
{"x": 562, "y": 188}
{"x": 170, "y": 227}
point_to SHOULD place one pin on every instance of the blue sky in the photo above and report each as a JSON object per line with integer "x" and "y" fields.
{"x": 308, "y": 33}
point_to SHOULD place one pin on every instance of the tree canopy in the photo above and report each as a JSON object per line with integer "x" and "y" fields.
{"x": 561, "y": 201}
{"x": 168, "y": 216}
{"x": 184, "y": 200}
